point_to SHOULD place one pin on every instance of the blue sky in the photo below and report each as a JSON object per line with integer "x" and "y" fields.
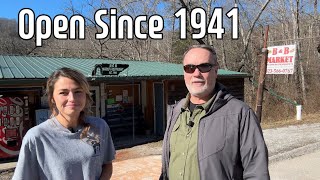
{"x": 10, "y": 8}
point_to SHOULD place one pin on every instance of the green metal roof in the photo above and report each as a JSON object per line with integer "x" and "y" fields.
{"x": 29, "y": 67}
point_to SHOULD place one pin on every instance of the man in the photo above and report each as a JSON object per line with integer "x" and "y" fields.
{"x": 210, "y": 134}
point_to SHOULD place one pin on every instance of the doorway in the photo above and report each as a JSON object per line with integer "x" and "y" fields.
{"x": 95, "y": 95}
{"x": 158, "y": 108}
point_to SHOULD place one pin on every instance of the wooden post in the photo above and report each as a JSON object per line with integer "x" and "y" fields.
{"x": 263, "y": 69}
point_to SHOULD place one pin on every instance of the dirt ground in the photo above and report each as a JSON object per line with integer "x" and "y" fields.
{"x": 149, "y": 149}
{"x": 306, "y": 119}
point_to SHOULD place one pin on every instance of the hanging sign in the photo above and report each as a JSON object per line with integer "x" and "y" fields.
{"x": 281, "y": 59}
{"x": 109, "y": 69}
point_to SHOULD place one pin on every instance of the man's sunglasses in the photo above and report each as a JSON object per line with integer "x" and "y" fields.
{"x": 203, "y": 68}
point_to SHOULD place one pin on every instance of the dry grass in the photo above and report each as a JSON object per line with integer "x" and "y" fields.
{"x": 306, "y": 119}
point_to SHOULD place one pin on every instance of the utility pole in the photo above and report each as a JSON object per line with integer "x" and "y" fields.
{"x": 263, "y": 69}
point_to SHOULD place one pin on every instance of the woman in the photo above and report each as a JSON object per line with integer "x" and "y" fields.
{"x": 70, "y": 145}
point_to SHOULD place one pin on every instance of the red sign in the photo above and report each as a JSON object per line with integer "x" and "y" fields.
{"x": 281, "y": 59}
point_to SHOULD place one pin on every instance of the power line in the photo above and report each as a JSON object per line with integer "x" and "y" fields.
{"x": 296, "y": 39}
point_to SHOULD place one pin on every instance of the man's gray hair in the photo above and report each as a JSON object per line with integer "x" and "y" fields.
{"x": 203, "y": 46}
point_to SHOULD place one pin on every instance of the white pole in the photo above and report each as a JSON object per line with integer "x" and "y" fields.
{"x": 299, "y": 109}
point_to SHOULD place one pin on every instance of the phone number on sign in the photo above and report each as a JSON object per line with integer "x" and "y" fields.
{"x": 279, "y": 71}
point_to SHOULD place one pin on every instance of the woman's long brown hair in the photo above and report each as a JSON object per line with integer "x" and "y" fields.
{"x": 79, "y": 78}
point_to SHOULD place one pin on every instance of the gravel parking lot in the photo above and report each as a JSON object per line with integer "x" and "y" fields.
{"x": 292, "y": 141}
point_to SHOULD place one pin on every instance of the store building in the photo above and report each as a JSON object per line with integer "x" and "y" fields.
{"x": 132, "y": 101}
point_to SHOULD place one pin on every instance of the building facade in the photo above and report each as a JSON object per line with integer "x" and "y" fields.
{"x": 132, "y": 100}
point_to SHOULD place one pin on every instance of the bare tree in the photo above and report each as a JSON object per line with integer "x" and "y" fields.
{"x": 246, "y": 37}
{"x": 299, "y": 75}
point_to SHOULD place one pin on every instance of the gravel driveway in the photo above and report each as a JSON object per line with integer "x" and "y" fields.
{"x": 292, "y": 141}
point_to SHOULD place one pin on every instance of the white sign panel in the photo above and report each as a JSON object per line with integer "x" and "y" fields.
{"x": 281, "y": 59}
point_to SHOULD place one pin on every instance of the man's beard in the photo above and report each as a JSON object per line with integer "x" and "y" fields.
{"x": 199, "y": 91}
